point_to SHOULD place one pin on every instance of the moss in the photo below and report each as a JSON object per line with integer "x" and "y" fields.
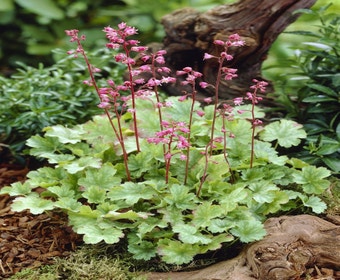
{"x": 85, "y": 263}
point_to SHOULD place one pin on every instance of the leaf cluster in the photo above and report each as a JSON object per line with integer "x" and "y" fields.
{"x": 34, "y": 98}
{"x": 311, "y": 95}
{"x": 170, "y": 221}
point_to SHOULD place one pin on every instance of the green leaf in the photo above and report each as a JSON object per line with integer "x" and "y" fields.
{"x": 176, "y": 252}
{"x": 189, "y": 234}
{"x": 33, "y": 203}
{"x": 82, "y": 163}
{"x": 263, "y": 191}
{"x": 94, "y": 194}
{"x": 311, "y": 179}
{"x": 68, "y": 203}
{"x": 264, "y": 151}
{"x": 286, "y": 132}
{"x": 149, "y": 224}
{"x": 180, "y": 197}
{"x": 204, "y": 213}
{"x": 141, "y": 249}
{"x": 46, "y": 177}
{"x": 104, "y": 177}
{"x": 328, "y": 149}
{"x": 99, "y": 131}
{"x": 128, "y": 215}
{"x": 328, "y": 91}
{"x": 43, "y": 147}
{"x": 62, "y": 191}
{"x": 131, "y": 192}
{"x": 6, "y": 5}
{"x": 216, "y": 242}
{"x": 319, "y": 98}
{"x": 333, "y": 163}
{"x": 93, "y": 234}
{"x": 17, "y": 188}
{"x": 220, "y": 225}
{"x": 317, "y": 205}
{"x": 140, "y": 163}
{"x": 65, "y": 135}
{"x": 248, "y": 231}
{"x": 44, "y": 8}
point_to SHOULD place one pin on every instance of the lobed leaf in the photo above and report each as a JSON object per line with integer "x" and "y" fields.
{"x": 33, "y": 203}
{"x": 287, "y": 133}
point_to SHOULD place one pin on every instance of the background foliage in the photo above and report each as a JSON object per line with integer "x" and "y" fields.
{"x": 31, "y": 29}
{"x": 308, "y": 88}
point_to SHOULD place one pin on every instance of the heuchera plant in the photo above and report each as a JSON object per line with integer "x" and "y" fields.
{"x": 171, "y": 177}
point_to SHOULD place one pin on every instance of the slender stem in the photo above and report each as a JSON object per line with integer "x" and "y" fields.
{"x": 225, "y": 147}
{"x": 168, "y": 160}
{"x": 189, "y": 133}
{"x": 204, "y": 176}
{"x": 218, "y": 80}
{"x": 160, "y": 117}
{"x": 133, "y": 97}
{"x": 253, "y": 102}
{"x": 107, "y": 113}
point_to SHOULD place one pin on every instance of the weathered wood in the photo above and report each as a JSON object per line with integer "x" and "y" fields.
{"x": 190, "y": 34}
{"x": 293, "y": 245}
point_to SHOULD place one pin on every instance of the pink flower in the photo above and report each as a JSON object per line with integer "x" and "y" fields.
{"x": 219, "y": 42}
{"x": 257, "y": 122}
{"x": 139, "y": 49}
{"x": 207, "y": 100}
{"x": 234, "y": 37}
{"x": 238, "y": 101}
{"x": 183, "y": 157}
{"x": 139, "y": 81}
{"x": 167, "y": 80}
{"x": 200, "y": 113}
{"x": 208, "y": 56}
{"x": 182, "y": 98}
{"x": 161, "y": 52}
{"x": 160, "y": 59}
{"x": 203, "y": 84}
{"x": 145, "y": 68}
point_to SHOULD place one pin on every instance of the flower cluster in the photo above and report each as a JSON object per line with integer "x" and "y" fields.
{"x": 144, "y": 81}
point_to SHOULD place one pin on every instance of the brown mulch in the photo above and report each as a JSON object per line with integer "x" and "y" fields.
{"x": 26, "y": 240}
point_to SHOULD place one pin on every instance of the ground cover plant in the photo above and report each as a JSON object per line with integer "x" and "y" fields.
{"x": 172, "y": 177}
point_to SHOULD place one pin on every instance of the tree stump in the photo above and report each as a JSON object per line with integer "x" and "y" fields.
{"x": 190, "y": 34}
{"x": 293, "y": 246}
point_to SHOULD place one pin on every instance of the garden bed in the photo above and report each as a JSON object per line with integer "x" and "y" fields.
{"x": 30, "y": 241}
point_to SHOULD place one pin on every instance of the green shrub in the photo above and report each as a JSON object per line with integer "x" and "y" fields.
{"x": 311, "y": 94}
{"x": 35, "y": 98}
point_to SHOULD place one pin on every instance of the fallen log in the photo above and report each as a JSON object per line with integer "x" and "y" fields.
{"x": 190, "y": 34}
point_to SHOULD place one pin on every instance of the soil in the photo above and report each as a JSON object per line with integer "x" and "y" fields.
{"x": 29, "y": 241}
{"x": 26, "y": 240}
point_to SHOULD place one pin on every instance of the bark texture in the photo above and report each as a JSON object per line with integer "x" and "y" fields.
{"x": 190, "y": 34}
{"x": 293, "y": 245}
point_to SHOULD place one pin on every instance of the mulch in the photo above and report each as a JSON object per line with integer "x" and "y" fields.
{"x": 26, "y": 240}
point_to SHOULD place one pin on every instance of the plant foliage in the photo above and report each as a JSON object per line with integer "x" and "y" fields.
{"x": 171, "y": 178}
{"x": 35, "y": 98}
{"x": 166, "y": 219}
{"x": 311, "y": 95}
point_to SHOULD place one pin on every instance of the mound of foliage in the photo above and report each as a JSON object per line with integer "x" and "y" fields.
{"x": 34, "y": 98}
{"x": 170, "y": 177}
